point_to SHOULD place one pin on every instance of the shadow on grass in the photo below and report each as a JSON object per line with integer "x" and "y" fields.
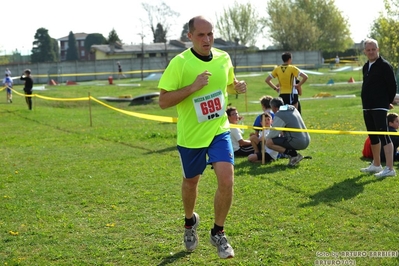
{"x": 345, "y": 190}
{"x": 261, "y": 170}
{"x": 172, "y": 258}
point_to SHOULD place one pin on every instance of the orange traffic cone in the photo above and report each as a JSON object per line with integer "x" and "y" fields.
{"x": 351, "y": 80}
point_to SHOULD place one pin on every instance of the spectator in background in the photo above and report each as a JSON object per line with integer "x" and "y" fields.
{"x": 286, "y": 74}
{"x": 241, "y": 146}
{"x": 287, "y": 142}
{"x": 270, "y": 155}
{"x": 337, "y": 61}
{"x": 28, "y": 87}
{"x": 265, "y": 104}
{"x": 7, "y": 82}
{"x": 378, "y": 94}
{"x": 8, "y": 72}
{"x": 393, "y": 125}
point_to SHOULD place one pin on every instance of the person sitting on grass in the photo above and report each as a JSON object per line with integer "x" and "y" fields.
{"x": 266, "y": 108}
{"x": 270, "y": 155}
{"x": 241, "y": 146}
{"x": 393, "y": 125}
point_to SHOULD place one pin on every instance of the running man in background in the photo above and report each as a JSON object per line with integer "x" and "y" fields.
{"x": 120, "y": 73}
{"x": 286, "y": 75}
{"x": 197, "y": 82}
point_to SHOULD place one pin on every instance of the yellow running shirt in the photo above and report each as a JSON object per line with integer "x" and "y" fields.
{"x": 286, "y": 75}
{"x": 202, "y": 115}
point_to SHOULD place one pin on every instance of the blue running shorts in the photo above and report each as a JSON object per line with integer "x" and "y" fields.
{"x": 194, "y": 161}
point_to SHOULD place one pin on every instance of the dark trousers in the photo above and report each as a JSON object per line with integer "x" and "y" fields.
{"x": 28, "y": 99}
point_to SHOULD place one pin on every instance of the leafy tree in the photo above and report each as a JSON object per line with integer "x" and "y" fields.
{"x": 159, "y": 14}
{"x": 72, "y": 51}
{"x": 113, "y": 37}
{"x": 385, "y": 30}
{"x": 307, "y": 25}
{"x": 160, "y": 34}
{"x": 240, "y": 22}
{"x": 43, "y": 47}
{"x": 56, "y": 49}
{"x": 183, "y": 36}
{"x": 333, "y": 27}
{"x": 94, "y": 38}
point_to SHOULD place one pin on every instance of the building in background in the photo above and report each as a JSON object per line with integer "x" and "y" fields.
{"x": 80, "y": 45}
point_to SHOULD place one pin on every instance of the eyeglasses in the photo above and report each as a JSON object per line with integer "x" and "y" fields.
{"x": 234, "y": 114}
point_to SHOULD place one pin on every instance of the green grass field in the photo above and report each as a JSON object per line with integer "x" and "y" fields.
{"x": 104, "y": 189}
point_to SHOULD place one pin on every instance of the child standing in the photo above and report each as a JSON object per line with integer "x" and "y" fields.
{"x": 28, "y": 87}
{"x": 7, "y": 81}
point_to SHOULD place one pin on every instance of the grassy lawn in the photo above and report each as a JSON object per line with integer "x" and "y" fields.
{"x": 104, "y": 189}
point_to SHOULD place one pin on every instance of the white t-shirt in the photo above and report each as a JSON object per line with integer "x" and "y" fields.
{"x": 271, "y": 152}
{"x": 236, "y": 136}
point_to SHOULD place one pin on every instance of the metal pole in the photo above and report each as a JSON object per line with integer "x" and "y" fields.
{"x": 91, "y": 120}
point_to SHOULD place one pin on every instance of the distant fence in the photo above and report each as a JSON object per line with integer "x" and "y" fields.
{"x": 137, "y": 67}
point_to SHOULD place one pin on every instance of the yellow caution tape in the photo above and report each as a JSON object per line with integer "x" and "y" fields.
{"x": 168, "y": 119}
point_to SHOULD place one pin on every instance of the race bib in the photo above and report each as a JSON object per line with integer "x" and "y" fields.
{"x": 209, "y": 107}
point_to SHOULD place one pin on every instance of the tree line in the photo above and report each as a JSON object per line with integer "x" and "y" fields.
{"x": 291, "y": 25}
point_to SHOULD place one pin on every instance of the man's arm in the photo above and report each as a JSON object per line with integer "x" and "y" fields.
{"x": 171, "y": 98}
{"x": 303, "y": 80}
{"x": 270, "y": 83}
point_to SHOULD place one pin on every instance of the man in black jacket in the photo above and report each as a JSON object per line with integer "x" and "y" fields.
{"x": 378, "y": 94}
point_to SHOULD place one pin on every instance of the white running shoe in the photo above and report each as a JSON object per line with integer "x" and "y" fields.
{"x": 225, "y": 251}
{"x": 191, "y": 236}
{"x": 385, "y": 173}
{"x": 372, "y": 169}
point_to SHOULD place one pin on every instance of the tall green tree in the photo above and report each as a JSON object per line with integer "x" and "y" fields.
{"x": 307, "y": 25}
{"x": 43, "y": 47}
{"x": 113, "y": 37}
{"x": 159, "y": 14}
{"x": 92, "y": 39}
{"x": 239, "y": 23}
{"x": 72, "y": 50}
{"x": 290, "y": 32}
{"x": 385, "y": 30}
{"x": 160, "y": 34}
{"x": 334, "y": 29}
{"x": 56, "y": 49}
{"x": 183, "y": 36}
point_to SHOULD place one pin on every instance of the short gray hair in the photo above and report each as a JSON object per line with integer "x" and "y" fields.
{"x": 277, "y": 102}
{"x": 367, "y": 41}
